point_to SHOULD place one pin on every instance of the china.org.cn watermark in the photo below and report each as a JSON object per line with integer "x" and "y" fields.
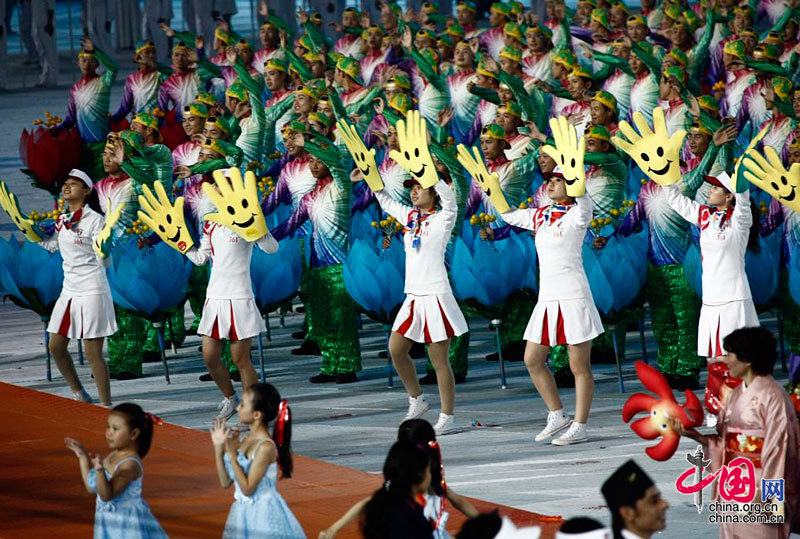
{"x": 737, "y": 490}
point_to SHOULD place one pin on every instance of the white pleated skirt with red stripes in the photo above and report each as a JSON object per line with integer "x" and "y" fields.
{"x": 231, "y": 319}
{"x": 83, "y": 317}
{"x": 430, "y": 318}
{"x": 566, "y": 321}
{"x": 717, "y": 321}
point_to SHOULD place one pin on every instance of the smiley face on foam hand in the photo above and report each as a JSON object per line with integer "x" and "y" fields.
{"x": 414, "y": 155}
{"x": 237, "y": 204}
{"x": 364, "y": 159}
{"x": 768, "y": 174}
{"x": 656, "y": 153}
{"x": 488, "y": 182}
{"x": 568, "y": 153}
{"x": 164, "y": 218}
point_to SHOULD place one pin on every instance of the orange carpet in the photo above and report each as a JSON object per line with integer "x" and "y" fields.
{"x": 41, "y": 493}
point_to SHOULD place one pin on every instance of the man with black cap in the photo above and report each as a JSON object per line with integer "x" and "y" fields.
{"x": 637, "y": 508}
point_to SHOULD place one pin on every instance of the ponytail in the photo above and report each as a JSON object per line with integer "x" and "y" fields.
{"x": 419, "y": 431}
{"x": 267, "y": 400}
{"x": 282, "y": 435}
{"x": 404, "y": 468}
{"x": 136, "y": 418}
{"x": 753, "y": 244}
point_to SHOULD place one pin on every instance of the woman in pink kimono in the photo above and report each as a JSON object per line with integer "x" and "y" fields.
{"x": 758, "y": 422}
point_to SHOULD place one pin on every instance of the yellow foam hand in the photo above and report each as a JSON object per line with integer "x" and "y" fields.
{"x": 767, "y": 172}
{"x": 656, "y": 153}
{"x": 10, "y": 203}
{"x": 414, "y": 155}
{"x": 489, "y": 182}
{"x": 237, "y": 204}
{"x": 739, "y": 183}
{"x": 364, "y": 159}
{"x": 165, "y": 218}
{"x": 568, "y": 154}
{"x": 101, "y": 243}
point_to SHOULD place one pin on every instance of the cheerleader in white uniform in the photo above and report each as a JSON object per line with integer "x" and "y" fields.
{"x": 565, "y": 312}
{"x": 429, "y": 313}
{"x": 230, "y": 310}
{"x": 84, "y": 309}
{"x": 726, "y": 229}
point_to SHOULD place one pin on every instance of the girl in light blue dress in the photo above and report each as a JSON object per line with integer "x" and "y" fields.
{"x": 251, "y": 465}
{"x": 120, "y": 511}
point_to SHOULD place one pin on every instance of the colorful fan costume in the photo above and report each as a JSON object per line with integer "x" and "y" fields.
{"x": 125, "y": 348}
{"x": 89, "y": 99}
{"x": 327, "y": 208}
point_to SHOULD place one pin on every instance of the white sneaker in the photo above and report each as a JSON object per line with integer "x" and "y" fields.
{"x": 575, "y": 435}
{"x": 82, "y": 396}
{"x": 445, "y": 425}
{"x": 556, "y": 422}
{"x": 417, "y": 406}
{"x": 711, "y": 420}
{"x": 228, "y": 406}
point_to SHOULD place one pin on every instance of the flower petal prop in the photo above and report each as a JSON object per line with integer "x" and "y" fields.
{"x": 276, "y": 276}
{"x": 48, "y": 158}
{"x": 119, "y": 125}
{"x": 485, "y": 274}
{"x": 375, "y": 279}
{"x": 659, "y": 410}
{"x": 149, "y": 282}
{"x": 762, "y": 268}
{"x": 616, "y": 273}
{"x": 172, "y": 132}
{"x": 720, "y": 384}
{"x": 31, "y": 276}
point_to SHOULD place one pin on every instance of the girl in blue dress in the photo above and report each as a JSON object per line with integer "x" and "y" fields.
{"x": 251, "y": 465}
{"x": 120, "y": 511}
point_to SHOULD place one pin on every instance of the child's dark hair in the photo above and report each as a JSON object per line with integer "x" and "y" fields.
{"x": 419, "y": 431}
{"x": 753, "y": 345}
{"x": 578, "y": 525}
{"x": 136, "y": 418}
{"x": 404, "y": 467}
{"x": 481, "y": 526}
{"x": 267, "y": 400}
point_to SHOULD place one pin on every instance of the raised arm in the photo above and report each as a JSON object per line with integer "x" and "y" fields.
{"x": 521, "y": 218}
{"x": 449, "y": 204}
{"x": 200, "y": 255}
{"x": 392, "y": 207}
{"x": 110, "y": 66}
{"x": 742, "y": 218}
{"x": 683, "y": 205}
{"x": 583, "y": 213}
{"x": 292, "y": 223}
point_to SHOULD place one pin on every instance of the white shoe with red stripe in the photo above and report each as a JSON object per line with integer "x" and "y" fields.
{"x": 556, "y": 422}
{"x": 417, "y": 406}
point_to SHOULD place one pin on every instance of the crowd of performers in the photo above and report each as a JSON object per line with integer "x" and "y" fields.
{"x": 585, "y": 131}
